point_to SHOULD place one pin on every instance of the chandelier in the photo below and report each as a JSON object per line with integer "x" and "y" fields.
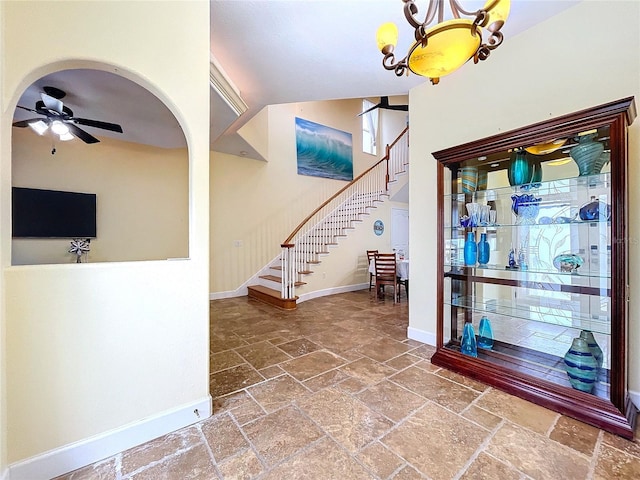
{"x": 443, "y": 48}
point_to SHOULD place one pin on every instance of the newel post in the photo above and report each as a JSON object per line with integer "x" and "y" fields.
{"x": 288, "y": 271}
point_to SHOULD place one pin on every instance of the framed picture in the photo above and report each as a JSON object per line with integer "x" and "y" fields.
{"x": 323, "y": 151}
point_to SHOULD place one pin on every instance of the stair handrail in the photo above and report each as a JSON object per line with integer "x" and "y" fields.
{"x": 288, "y": 263}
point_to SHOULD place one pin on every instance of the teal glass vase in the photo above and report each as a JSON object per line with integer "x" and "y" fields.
{"x": 594, "y": 348}
{"x": 520, "y": 171}
{"x": 485, "y": 334}
{"x": 468, "y": 345}
{"x": 581, "y": 366}
{"x": 588, "y": 155}
{"x": 483, "y": 250}
{"x": 470, "y": 250}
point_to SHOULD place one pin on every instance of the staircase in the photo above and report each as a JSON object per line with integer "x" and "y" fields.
{"x": 311, "y": 239}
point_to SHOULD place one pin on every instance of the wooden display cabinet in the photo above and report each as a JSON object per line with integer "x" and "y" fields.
{"x": 536, "y": 301}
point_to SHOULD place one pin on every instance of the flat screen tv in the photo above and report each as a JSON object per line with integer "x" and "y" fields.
{"x": 52, "y": 214}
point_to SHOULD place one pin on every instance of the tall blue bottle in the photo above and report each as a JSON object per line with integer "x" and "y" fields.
{"x": 468, "y": 345}
{"x": 483, "y": 250}
{"x": 470, "y": 250}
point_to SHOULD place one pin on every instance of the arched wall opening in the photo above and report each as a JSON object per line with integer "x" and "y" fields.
{"x": 138, "y": 180}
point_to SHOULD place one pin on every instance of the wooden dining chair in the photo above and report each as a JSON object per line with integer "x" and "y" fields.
{"x": 370, "y": 257}
{"x": 386, "y": 274}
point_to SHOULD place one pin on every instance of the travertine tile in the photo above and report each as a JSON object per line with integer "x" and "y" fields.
{"x": 632, "y": 447}
{"x": 312, "y": 364}
{"x": 271, "y": 372}
{"x": 347, "y": 420}
{"x": 424, "y": 351}
{"x": 435, "y": 441}
{"x": 299, "y": 347}
{"x": 487, "y": 419}
{"x": 328, "y": 379}
{"x": 340, "y": 339}
{"x": 277, "y": 392}
{"x": 383, "y": 349}
{"x": 155, "y": 450}
{"x": 575, "y": 434}
{"x": 244, "y": 466}
{"x": 243, "y": 408}
{"x": 232, "y": 379}
{"x": 262, "y": 354}
{"x": 403, "y": 361}
{"x": 391, "y": 400}
{"x": 613, "y": 463}
{"x": 408, "y": 473}
{"x": 104, "y": 470}
{"x": 223, "y": 436}
{"x": 351, "y": 385}
{"x": 486, "y": 467}
{"x": 193, "y": 464}
{"x": 462, "y": 380}
{"x": 224, "y": 360}
{"x": 517, "y": 410}
{"x": 536, "y": 455}
{"x": 325, "y": 460}
{"x": 367, "y": 371}
{"x": 448, "y": 394}
{"x": 281, "y": 434}
{"x": 380, "y": 460}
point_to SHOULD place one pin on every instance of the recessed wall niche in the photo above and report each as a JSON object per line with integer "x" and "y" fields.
{"x": 139, "y": 177}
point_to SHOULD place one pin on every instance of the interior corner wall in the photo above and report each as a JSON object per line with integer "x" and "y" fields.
{"x": 103, "y": 349}
{"x": 554, "y": 68}
{"x": 255, "y": 205}
{"x": 5, "y": 251}
{"x": 142, "y": 197}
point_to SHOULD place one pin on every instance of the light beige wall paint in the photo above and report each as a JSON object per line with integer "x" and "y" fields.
{"x": 257, "y": 204}
{"x": 5, "y": 139}
{"x": 106, "y": 345}
{"x": 552, "y": 69}
{"x": 142, "y": 197}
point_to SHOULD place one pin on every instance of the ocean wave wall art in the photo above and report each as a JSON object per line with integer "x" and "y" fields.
{"x": 323, "y": 151}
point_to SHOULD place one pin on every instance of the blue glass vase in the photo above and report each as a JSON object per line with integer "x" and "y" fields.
{"x": 485, "y": 334}
{"x": 581, "y": 366}
{"x": 468, "y": 344}
{"x": 483, "y": 250}
{"x": 596, "y": 351}
{"x": 520, "y": 170}
{"x": 470, "y": 250}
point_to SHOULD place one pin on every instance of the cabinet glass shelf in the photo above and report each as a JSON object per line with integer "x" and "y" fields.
{"x": 550, "y": 311}
{"x": 501, "y": 272}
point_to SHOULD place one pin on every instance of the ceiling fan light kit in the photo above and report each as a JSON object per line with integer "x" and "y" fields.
{"x": 60, "y": 120}
{"x": 447, "y": 45}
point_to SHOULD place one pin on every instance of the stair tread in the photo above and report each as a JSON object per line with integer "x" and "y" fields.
{"x": 274, "y": 278}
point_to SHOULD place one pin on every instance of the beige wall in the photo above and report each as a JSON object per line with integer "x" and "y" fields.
{"x": 142, "y": 197}
{"x": 255, "y": 205}
{"x": 552, "y": 69}
{"x": 106, "y": 346}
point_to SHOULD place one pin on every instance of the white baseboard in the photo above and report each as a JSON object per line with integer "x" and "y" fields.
{"x": 241, "y": 292}
{"x": 5, "y": 474}
{"x": 332, "y": 291}
{"x": 85, "y": 452}
{"x": 421, "y": 336}
{"x": 635, "y": 398}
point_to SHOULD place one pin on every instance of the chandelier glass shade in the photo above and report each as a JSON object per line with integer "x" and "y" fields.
{"x": 447, "y": 45}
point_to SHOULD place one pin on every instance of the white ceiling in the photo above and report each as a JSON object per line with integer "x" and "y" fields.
{"x": 273, "y": 51}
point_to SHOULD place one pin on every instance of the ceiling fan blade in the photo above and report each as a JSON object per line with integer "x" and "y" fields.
{"x": 27, "y": 109}
{"x": 81, "y": 134}
{"x": 25, "y": 123}
{"x": 404, "y": 108}
{"x": 369, "y": 109}
{"x": 114, "y": 127}
{"x": 52, "y": 103}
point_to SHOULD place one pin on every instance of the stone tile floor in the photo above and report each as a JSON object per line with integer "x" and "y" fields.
{"x": 335, "y": 390}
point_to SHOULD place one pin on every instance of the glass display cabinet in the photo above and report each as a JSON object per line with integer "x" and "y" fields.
{"x": 533, "y": 272}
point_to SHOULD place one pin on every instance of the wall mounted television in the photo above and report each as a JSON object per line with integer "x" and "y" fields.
{"x": 52, "y": 214}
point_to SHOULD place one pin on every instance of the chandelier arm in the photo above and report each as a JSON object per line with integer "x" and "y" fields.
{"x": 410, "y": 11}
{"x": 460, "y": 9}
{"x": 400, "y": 68}
{"x": 456, "y": 9}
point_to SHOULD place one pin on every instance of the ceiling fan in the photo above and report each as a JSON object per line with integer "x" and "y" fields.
{"x": 384, "y": 103}
{"x": 59, "y": 118}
